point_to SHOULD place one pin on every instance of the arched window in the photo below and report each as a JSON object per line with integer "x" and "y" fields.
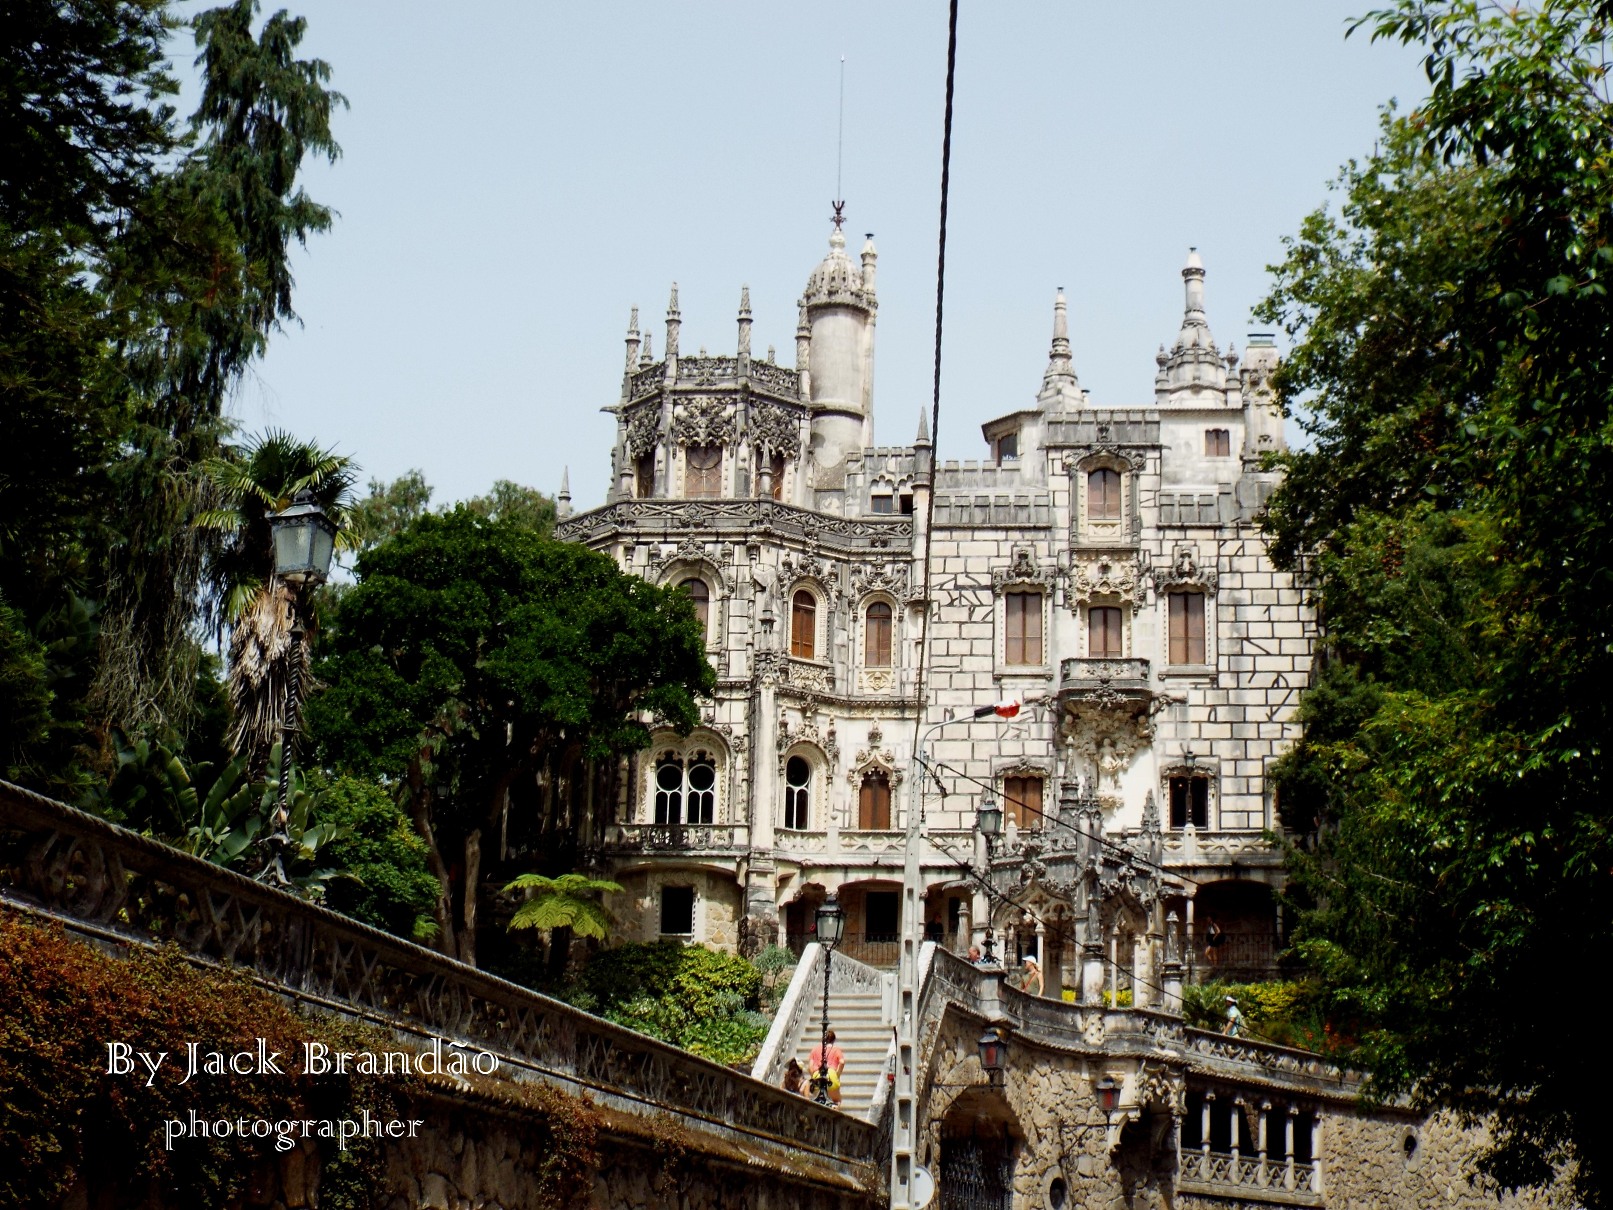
{"x": 874, "y": 802}
{"x": 669, "y": 789}
{"x": 685, "y": 793}
{"x": 700, "y": 598}
{"x": 702, "y": 471}
{"x": 877, "y": 635}
{"x": 804, "y": 626}
{"x": 778, "y": 476}
{"x": 644, "y": 476}
{"x": 1104, "y": 639}
{"x": 702, "y": 789}
{"x": 797, "y": 793}
{"x": 1103, "y": 494}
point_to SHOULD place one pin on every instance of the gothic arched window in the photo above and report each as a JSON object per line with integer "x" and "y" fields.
{"x": 1103, "y": 494}
{"x": 669, "y": 789}
{"x": 686, "y": 792}
{"x": 797, "y": 793}
{"x": 874, "y": 801}
{"x": 804, "y": 626}
{"x": 702, "y": 789}
{"x": 877, "y": 635}
{"x": 702, "y": 471}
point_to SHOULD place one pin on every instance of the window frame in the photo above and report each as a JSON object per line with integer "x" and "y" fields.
{"x": 804, "y": 648}
{"x": 1194, "y": 801}
{"x": 702, "y": 604}
{"x": 1119, "y": 502}
{"x": 1218, "y": 437}
{"x": 694, "y": 900}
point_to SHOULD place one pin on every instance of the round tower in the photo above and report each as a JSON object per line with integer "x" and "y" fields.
{"x": 839, "y": 306}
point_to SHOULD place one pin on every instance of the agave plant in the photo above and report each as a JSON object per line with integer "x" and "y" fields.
{"x": 253, "y": 481}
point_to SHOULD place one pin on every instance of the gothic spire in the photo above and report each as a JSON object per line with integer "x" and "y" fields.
{"x": 1061, "y": 389}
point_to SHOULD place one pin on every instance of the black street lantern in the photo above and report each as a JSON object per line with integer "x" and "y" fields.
{"x": 993, "y": 1052}
{"x": 831, "y": 923}
{"x": 990, "y": 818}
{"x": 1108, "y": 1095}
{"x": 304, "y": 541}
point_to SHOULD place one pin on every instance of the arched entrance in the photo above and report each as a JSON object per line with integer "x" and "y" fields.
{"x": 979, "y": 1145}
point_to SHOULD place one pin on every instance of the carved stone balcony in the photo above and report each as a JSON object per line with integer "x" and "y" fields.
{"x": 723, "y": 838}
{"x": 1104, "y": 682}
{"x": 1255, "y": 1178}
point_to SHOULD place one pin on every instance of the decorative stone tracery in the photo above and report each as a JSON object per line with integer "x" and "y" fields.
{"x": 775, "y": 430}
{"x": 1023, "y": 569}
{"x": 874, "y": 757}
{"x": 643, "y": 429}
{"x": 1185, "y": 571}
{"x": 1109, "y": 577}
{"x": 703, "y": 421}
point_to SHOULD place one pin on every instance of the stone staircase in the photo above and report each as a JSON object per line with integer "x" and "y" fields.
{"x": 860, "y": 1001}
{"x": 857, "y": 1016}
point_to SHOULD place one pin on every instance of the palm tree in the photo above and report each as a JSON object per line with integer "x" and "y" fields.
{"x": 566, "y": 907}
{"x": 250, "y": 483}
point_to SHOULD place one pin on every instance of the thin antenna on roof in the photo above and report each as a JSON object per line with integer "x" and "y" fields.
{"x": 840, "y": 149}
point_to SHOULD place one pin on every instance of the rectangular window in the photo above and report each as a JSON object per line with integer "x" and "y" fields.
{"x": 1186, "y": 627}
{"x": 1022, "y": 801}
{"x": 1104, "y": 640}
{"x": 1190, "y": 802}
{"x": 677, "y": 911}
{"x": 778, "y": 476}
{"x": 1008, "y": 448}
{"x": 882, "y": 504}
{"x": 877, "y": 635}
{"x": 1023, "y": 635}
{"x": 874, "y": 802}
{"x": 1217, "y": 443}
{"x": 644, "y": 477}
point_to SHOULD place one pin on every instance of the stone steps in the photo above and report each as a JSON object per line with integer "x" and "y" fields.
{"x": 860, "y": 1031}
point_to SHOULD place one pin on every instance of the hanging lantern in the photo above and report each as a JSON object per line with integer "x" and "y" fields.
{"x": 304, "y": 541}
{"x": 990, "y": 818}
{"x": 993, "y": 1053}
{"x": 831, "y": 923}
{"x": 1108, "y": 1095}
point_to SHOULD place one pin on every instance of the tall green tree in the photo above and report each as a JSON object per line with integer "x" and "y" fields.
{"x": 204, "y": 264}
{"x": 498, "y": 678}
{"x": 250, "y": 482}
{"x": 1453, "y": 345}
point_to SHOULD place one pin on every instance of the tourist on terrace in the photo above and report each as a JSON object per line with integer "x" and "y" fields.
{"x": 1234, "y": 1026}
{"x": 1033, "y": 975}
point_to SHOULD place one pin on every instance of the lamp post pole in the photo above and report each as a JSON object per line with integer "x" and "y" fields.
{"x": 904, "y": 1136}
{"x": 831, "y": 921}
{"x": 304, "y": 542}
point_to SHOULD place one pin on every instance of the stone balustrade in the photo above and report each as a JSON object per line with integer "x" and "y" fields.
{"x": 677, "y": 838}
{"x": 1217, "y": 1174}
{"x": 108, "y": 884}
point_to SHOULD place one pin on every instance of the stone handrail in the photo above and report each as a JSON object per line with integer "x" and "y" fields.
{"x": 106, "y": 882}
{"x": 1220, "y": 1174}
{"x": 677, "y": 837}
{"x": 1278, "y": 1060}
{"x": 791, "y": 1019}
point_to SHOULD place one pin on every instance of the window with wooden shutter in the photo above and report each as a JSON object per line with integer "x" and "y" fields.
{"x": 700, "y": 597}
{"x": 1217, "y": 443}
{"x": 1022, "y": 801}
{"x": 804, "y": 626}
{"x": 1023, "y": 628}
{"x": 874, "y": 801}
{"x": 1186, "y": 627}
{"x": 1104, "y": 639}
{"x": 877, "y": 635}
{"x": 1103, "y": 495}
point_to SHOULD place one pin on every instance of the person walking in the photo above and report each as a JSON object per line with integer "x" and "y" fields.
{"x": 1234, "y": 1026}
{"x": 835, "y": 1060}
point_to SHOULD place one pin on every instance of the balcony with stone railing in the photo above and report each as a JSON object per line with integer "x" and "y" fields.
{"x": 1257, "y": 1178}
{"x": 721, "y": 839}
{"x": 1104, "y": 682}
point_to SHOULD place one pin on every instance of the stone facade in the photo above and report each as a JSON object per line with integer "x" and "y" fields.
{"x": 1103, "y": 565}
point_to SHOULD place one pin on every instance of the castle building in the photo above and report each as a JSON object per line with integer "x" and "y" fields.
{"x": 1101, "y": 564}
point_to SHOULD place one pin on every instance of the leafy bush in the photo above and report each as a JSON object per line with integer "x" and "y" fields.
{"x": 690, "y": 996}
{"x": 391, "y": 885}
{"x": 1289, "y": 1014}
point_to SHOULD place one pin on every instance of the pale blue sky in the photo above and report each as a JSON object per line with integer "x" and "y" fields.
{"x": 517, "y": 175}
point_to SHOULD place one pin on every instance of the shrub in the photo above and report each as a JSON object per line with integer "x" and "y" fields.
{"x": 392, "y": 886}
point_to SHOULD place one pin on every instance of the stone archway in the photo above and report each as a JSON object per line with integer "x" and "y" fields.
{"x": 980, "y": 1142}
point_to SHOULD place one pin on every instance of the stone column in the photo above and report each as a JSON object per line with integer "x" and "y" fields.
{"x": 1260, "y": 1141}
{"x": 1288, "y": 1147}
{"x": 1235, "y": 1112}
{"x": 1204, "y": 1131}
{"x": 1142, "y": 974}
{"x": 1092, "y": 973}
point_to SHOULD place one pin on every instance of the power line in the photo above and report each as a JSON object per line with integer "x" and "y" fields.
{"x": 935, "y": 399}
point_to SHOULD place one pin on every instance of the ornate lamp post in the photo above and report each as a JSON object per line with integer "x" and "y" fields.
{"x": 304, "y": 542}
{"x": 831, "y": 926}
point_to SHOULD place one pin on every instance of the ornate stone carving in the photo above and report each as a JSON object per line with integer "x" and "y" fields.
{"x": 1185, "y": 571}
{"x": 876, "y": 680}
{"x": 808, "y": 732}
{"x": 1107, "y": 576}
{"x": 643, "y": 429}
{"x": 703, "y": 421}
{"x": 1105, "y": 741}
{"x": 890, "y": 578}
{"x": 874, "y": 757}
{"x": 775, "y": 430}
{"x": 814, "y": 678}
{"x": 1022, "y": 570}
{"x": 687, "y": 551}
